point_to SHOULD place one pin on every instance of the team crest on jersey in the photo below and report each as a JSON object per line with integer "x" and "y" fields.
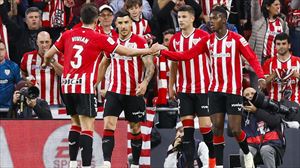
{"x": 7, "y": 72}
{"x": 195, "y": 41}
{"x": 228, "y": 44}
{"x": 177, "y": 43}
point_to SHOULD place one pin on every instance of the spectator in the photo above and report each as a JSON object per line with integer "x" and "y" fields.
{"x": 282, "y": 72}
{"x": 266, "y": 23}
{"x": 117, "y": 5}
{"x": 9, "y": 76}
{"x": 105, "y": 21}
{"x": 47, "y": 79}
{"x": 294, "y": 25}
{"x": 140, "y": 26}
{"x": 26, "y": 105}
{"x": 264, "y": 132}
{"x": 175, "y": 151}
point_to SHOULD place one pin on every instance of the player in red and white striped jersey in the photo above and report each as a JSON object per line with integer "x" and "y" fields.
{"x": 282, "y": 72}
{"x": 140, "y": 26}
{"x": 81, "y": 48}
{"x": 126, "y": 89}
{"x": 193, "y": 77}
{"x": 225, "y": 48}
{"x": 46, "y": 79}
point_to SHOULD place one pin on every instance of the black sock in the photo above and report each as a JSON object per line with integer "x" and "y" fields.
{"x": 108, "y": 144}
{"x": 73, "y": 138}
{"x": 219, "y": 153}
{"x": 136, "y": 146}
{"x": 86, "y": 145}
{"x": 244, "y": 146}
{"x": 189, "y": 145}
{"x": 208, "y": 139}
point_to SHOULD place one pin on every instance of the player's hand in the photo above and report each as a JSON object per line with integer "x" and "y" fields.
{"x": 262, "y": 84}
{"x": 103, "y": 92}
{"x": 1, "y": 2}
{"x": 44, "y": 65}
{"x": 141, "y": 88}
{"x": 172, "y": 94}
{"x": 157, "y": 47}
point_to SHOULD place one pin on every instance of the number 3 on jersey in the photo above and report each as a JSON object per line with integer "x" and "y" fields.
{"x": 78, "y": 58}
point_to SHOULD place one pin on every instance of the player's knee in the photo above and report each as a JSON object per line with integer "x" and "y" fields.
{"x": 218, "y": 131}
{"x": 110, "y": 124}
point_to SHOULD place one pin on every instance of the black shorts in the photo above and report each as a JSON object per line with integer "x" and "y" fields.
{"x": 81, "y": 104}
{"x": 225, "y": 103}
{"x": 134, "y": 107}
{"x": 191, "y": 104}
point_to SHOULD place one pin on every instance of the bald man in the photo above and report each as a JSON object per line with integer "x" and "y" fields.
{"x": 46, "y": 79}
{"x": 264, "y": 133}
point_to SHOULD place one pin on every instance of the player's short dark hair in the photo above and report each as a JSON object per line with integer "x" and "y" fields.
{"x": 122, "y": 13}
{"x": 132, "y": 3}
{"x": 169, "y": 31}
{"x": 220, "y": 9}
{"x": 33, "y": 9}
{"x": 187, "y": 8}
{"x": 88, "y": 13}
{"x": 281, "y": 37}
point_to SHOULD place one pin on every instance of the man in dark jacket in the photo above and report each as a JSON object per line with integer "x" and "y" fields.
{"x": 26, "y": 105}
{"x": 264, "y": 133}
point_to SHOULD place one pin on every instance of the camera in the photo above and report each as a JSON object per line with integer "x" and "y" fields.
{"x": 29, "y": 92}
{"x": 264, "y": 102}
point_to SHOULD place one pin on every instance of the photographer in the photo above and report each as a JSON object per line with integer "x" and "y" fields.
{"x": 27, "y": 105}
{"x": 264, "y": 130}
{"x": 175, "y": 156}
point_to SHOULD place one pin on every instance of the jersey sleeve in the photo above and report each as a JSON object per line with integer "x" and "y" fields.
{"x": 59, "y": 44}
{"x": 107, "y": 43}
{"x": 200, "y": 48}
{"x": 250, "y": 56}
{"x": 23, "y": 64}
{"x": 266, "y": 67}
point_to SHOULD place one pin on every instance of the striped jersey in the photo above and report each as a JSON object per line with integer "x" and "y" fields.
{"x": 82, "y": 48}
{"x": 141, "y": 28}
{"x": 208, "y": 4}
{"x": 127, "y": 72}
{"x": 45, "y": 78}
{"x": 278, "y": 85}
{"x": 192, "y": 75}
{"x": 226, "y": 60}
{"x": 274, "y": 28}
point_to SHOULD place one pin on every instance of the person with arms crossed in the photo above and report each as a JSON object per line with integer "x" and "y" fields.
{"x": 192, "y": 85}
{"x": 225, "y": 90}
{"x": 128, "y": 85}
{"x": 81, "y": 48}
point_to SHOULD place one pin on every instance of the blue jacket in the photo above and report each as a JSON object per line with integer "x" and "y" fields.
{"x": 9, "y": 76}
